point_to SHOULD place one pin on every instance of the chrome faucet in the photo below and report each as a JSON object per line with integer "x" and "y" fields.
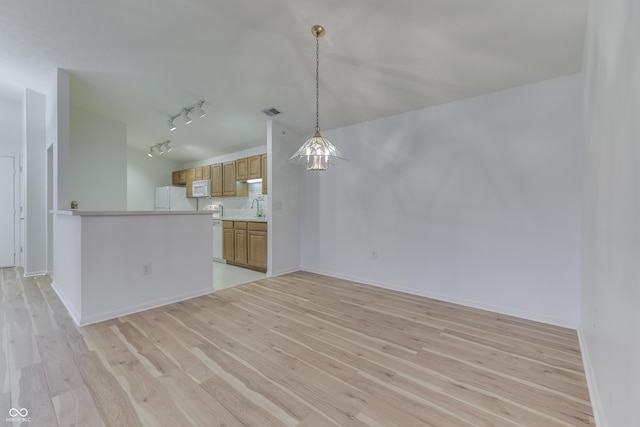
{"x": 257, "y": 206}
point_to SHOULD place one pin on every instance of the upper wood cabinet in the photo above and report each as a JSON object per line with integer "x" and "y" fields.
{"x": 242, "y": 169}
{"x": 216, "y": 180}
{"x": 254, "y": 166}
{"x": 191, "y": 176}
{"x": 198, "y": 173}
{"x": 263, "y": 160}
{"x": 229, "y": 178}
{"x": 179, "y": 177}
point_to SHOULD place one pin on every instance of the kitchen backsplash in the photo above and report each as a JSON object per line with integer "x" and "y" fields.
{"x": 239, "y": 206}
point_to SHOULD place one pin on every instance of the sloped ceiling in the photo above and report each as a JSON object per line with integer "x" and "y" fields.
{"x": 140, "y": 62}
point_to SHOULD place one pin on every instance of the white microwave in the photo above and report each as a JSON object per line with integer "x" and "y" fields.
{"x": 201, "y": 188}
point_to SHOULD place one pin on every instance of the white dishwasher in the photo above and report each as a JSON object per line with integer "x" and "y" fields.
{"x": 217, "y": 234}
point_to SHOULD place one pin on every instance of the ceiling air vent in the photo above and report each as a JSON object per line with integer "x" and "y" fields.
{"x": 271, "y": 112}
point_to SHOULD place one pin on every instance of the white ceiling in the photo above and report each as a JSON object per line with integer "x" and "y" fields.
{"x": 141, "y": 61}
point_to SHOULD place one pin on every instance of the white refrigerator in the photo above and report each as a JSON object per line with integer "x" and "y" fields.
{"x": 174, "y": 199}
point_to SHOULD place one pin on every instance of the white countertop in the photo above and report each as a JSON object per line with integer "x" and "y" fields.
{"x": 245, "y": 218}
{"x": 142, "y": 213}
{"x": 129, "y": 213}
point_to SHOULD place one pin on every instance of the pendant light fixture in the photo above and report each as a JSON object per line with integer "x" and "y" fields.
{"x": 317, "y": 153}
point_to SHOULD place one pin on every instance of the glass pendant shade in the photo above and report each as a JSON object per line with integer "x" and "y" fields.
{"x": 317, "y": 153}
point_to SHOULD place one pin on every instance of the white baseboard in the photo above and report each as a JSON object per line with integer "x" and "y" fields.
{"x": 594, "y": 395}
{"x": 70, "y": 309}
{"x": 100, "y": 317}
{"x": 79, "y": 320}
{"x": 283, "y": 272}
{"x": 536, "y": 317}
{"x": 35, "y": 273}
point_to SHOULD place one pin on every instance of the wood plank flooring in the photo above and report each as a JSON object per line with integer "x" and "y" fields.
{"x": 295, "y": 350}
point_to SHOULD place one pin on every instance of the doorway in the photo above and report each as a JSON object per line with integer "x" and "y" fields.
{"x": 7, "y": 212}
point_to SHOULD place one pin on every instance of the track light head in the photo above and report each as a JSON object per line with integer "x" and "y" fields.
{"x": 150, "y": 153}
{"x": 187, "y": 118}
{"x": 199, "y": 111}
{"x": 172, "y": 126}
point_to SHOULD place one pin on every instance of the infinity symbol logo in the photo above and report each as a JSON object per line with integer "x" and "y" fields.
{"x": 22, "y": 412}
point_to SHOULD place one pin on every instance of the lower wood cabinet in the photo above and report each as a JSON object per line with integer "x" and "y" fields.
{"x": 257, "y": 245}
{"x": 228, "y": 241}
{"x": 245, "y": 244}
{"x": 240, "y": 242}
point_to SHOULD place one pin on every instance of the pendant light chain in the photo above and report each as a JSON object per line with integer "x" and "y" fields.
{"x": 317, "y": 84}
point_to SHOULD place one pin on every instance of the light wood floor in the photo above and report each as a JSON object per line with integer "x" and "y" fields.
{"x": 296, "y": 350}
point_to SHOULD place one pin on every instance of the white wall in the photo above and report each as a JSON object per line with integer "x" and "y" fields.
{"x": 283, "y": 204}
{"x": 144, "y": 174}
{"x": 11, "y": 146}
{"x": 11, "y": 124}
{"x": 98, "y": 153}
{"x": 35, "y": 185}
{"x": 475, "y": 202}
{"x": 58, "y": 112}
{"x": 610, "y": 325}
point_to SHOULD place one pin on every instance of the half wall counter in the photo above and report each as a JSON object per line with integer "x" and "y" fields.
{"x": 112, "y": 263}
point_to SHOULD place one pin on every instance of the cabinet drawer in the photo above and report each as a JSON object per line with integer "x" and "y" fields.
{"x": 258, "y": 226}
{"x": 240, "y": 225}
{"x": 227, "y": 224}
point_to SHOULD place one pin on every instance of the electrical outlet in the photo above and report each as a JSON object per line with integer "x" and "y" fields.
{"x": 146, "y": 269}
{"x": 374, "y": 254}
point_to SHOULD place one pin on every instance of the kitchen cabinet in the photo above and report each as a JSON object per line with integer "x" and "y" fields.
{"x": 229, "y": 178}
{"x": 198, "y": 173}
{"x": 190, "y": 177}
{"x": 263, "y": 171}
{"x": 240, "y": 242}
{"x": 242, "y": 170}
{"x": 179, "y": 177}
{"x": 245, "y": 244}
{"x": 254, "y": 167}
{"x": 216, "y": 180}
{"x": 228, "y": 242}
{"x": 206, "y": 172}
{"x": 257, "y": 245}
{"x": 230, "y": 184}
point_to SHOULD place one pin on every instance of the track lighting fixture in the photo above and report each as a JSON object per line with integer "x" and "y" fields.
{"x": 185, "y": 113}
{"x": 160, "y": 148}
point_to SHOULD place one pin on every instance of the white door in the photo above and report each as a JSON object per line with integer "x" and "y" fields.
{"x": 7, "y": 212}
